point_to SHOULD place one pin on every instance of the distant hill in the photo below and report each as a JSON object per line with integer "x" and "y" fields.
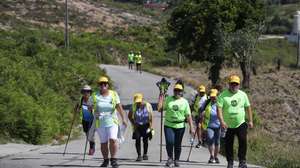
{"x": 84, "y": 15}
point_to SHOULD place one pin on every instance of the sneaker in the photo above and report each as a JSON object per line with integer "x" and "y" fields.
{"x": 91, "y": 151}
{"x": 169, "y": 162}
{"x": 230, "y": 165}
{"x": 211, "y": 160}
{"x": 176, "y": 163}
{"x": 217, "y": 160}
{"x": 242, "y": 164}
{"x": 113, "y": 163}
{"x": 199, "y": 144}
{"x": 105, "y": 163}
{"x": 145, "y": 157}
{"x": 139, "y": 158}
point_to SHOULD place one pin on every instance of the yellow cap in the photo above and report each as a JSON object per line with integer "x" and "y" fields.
{"x": 201, "y": 88}
{"x": 178, "y": 86}
{"x": 102, "y": 79}
{"x": 234, "y": 79}
{"x": 213, "y": 93}
{"x": 138, "y": 98}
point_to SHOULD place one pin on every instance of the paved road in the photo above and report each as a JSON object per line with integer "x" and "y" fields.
{"x": 127, "y": 83}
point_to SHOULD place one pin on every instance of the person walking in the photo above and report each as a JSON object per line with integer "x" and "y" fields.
{"x": 197, "y": 102}
{"x": 232, "y": 107}
{"x": 211, "y": 124}
{"x": 87, "y": 116}
{"x": 105, "y": 103}
{"x": 177, "y": 111}
{"x": 141, "y": 118}
{"x": 138, "y": 59}
{"x": 130, "y": 60}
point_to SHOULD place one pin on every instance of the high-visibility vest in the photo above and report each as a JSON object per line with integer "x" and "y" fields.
{"x": 195, "y": 105}
{"x": 207, "y": 113}
{"x": 114, "y": 103}
{"x": 148, "y": 107}
{"x": 139, "y": 59}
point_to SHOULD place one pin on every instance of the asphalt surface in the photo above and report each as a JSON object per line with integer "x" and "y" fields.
{"x": 126, "y": 82}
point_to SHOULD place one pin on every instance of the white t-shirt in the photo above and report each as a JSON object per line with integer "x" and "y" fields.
{"x": 104, "y": 107}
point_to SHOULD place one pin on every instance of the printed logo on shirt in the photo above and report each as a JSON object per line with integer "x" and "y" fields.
{"x": 234, "y": 103}
{"x": 175, "y": 107}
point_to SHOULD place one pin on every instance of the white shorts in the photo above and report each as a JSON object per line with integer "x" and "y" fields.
{"x": 106, "y": 133}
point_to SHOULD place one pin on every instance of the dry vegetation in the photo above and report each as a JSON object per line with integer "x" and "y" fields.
{"x": 274, "y": 96}
{"x": 84, "y": 15}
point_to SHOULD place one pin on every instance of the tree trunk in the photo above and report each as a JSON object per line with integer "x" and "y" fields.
{"x": 215, "y": 73}
{"x": 246, "y": 71}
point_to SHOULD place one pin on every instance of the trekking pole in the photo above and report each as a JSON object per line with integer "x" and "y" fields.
{"x": 74, "y": 116}
{"x": 163, "y": 88}
{"x": 192, "y": 144}
{"x": 161, "y": 128}
{"x": 86, "y": 141}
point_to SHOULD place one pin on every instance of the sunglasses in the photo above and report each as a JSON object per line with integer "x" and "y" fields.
{"x": 234, "y": 83}
{"x": 103, "y": 83}
{"x": 177, "y": 90}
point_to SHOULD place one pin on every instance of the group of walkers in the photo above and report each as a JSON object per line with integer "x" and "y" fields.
{"x": 135, "y": 58}
{"x": 208, "y": 115}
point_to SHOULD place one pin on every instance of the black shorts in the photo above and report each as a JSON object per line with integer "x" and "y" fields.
{"x": 86, "y": 125}
{"x": 141, "y": 131}
{"x": 130, "y": 62}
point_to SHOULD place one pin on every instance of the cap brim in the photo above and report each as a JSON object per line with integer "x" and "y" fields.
{"x": 138, "y": 100}
{"x": 234, "y": 81}
{"x": 213, "y": 95}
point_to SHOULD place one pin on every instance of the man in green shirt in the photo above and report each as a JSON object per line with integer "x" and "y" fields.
{"x": 232, "y": 105}
{"x": 130, "y": 59}
{"x": 177, "y": 111}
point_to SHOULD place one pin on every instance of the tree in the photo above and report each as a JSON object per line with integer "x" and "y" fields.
{"x": 242, "y": 45}
{"x": 198, "y": 28}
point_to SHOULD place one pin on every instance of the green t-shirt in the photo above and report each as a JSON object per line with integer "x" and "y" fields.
{"x": 233, "y": 106}
{"x": 176, "y": 111}
{"x": 130, "y": 57}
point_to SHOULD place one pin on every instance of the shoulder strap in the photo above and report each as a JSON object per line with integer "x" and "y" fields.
{"x": 205, "y": 105}
{"x": 114, "y": 98}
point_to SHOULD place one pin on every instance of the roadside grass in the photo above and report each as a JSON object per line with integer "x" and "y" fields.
{"x": 268, "y": 51}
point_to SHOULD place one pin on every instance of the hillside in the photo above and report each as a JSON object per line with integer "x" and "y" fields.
{"x": 84, "y": 15}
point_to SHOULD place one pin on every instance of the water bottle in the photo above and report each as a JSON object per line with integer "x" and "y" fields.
{"x": 191, "y": 139}
{"x": 121, "y": 133}
{"x": 223, "y": 132}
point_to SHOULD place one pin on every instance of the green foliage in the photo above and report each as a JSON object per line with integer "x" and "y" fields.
{"x": 198, "y": 28}
{"x": 266, "y": 151}
{"x": 39, "y": 83}
{"x": 280, "y": 18}
{"x": 268, "y": 51}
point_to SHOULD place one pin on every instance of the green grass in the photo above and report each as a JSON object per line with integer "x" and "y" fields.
{"x": 268, "y": 51}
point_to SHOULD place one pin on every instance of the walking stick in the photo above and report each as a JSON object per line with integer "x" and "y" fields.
{"x": 74, "y": 116}
{"x": 86, "y": 141}
{"x": 192, "y": 144}
{"x": 161, "y": 128}
{"x": 163, "y": 88}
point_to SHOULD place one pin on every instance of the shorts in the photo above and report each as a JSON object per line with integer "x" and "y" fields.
{"x": 130, "y": 62}
{"x": 213, "y": 136}
{"x": 107, "y": 133}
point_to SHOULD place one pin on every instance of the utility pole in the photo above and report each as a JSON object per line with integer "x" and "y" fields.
{"x": 66, "y": 25}
{"x": 298, "y": 50}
